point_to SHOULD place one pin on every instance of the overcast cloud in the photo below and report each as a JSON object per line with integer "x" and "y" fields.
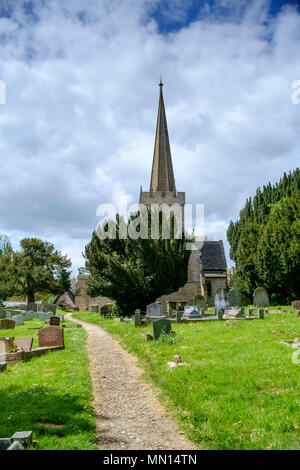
{"x": 77, "y": 129}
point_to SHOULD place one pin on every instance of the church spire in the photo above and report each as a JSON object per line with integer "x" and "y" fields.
{"x": 162, "y": 176}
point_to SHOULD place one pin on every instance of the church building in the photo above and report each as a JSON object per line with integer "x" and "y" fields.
{"x": 207, "y": 269}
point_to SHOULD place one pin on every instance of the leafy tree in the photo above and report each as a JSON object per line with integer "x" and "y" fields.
{"x": 134, "y": 272}
{"x": 38, "y": 267}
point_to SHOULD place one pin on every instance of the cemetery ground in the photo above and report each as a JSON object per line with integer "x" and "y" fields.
{"x": 239, "y": 388}
{"x": 50, "y": 395}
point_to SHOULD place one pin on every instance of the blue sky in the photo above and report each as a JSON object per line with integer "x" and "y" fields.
{"x": 78, "y": 126}
{"x": 172, "y": 18}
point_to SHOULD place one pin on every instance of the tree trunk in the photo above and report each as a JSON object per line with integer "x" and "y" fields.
{"x": 30, "y": 297}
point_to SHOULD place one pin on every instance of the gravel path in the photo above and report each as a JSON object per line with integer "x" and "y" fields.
{"x": 129, "y": 415}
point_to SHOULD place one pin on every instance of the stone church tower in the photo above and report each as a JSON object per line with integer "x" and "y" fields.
{"x": 207, "y": 267}
{"x": 162, "y": 184}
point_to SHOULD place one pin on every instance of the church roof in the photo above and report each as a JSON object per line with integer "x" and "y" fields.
{"x": 213, "y": 256}
{"x": 162, "y": 176}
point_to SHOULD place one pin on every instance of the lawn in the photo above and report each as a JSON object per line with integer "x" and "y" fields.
{"x": 240, "y": 389}
{"x": 50, "y": 395}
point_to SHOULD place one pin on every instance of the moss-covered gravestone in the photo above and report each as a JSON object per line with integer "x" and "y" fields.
{"x": 234, "y": 298}
{"x": 261, "y": 297}
{"x": 161, "y": 327}
{"x": 199, "y": 301}
{"x": 7, "y": 324}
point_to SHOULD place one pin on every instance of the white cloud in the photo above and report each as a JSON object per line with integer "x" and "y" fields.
{"x": 78, "y": 126}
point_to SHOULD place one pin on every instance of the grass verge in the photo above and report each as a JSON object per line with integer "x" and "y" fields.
{"x": 50, "y": 395}
{"x": 240, "y": 389}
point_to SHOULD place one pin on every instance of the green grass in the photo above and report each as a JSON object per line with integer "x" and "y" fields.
{"x": 50, "y": 395}
{"x": 240, "y": 389}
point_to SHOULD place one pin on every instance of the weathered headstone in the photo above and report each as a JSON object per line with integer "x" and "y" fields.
{"x": 7, "y": 324}
{"x": 44, "y": 316}
{"x": 54, "y": 321}
{"x": 220, "y": 313}
{"x": 24, "y": 343}
{"x": 32, "y": 306}
{"x": 261, "y": 297}
{"x": 2, "y": 313}
{"x": 178, "y": 316}
{"x": 162, "y": 326}
{"x": 199, "y": 301}
{"x": 154, "y": 310}
{"x": 51, "y": 308}
{"x": 2, "y": 356}
{"x": 28, "y": 316}
{"x": 137, "y": 317}
{"x": 221, "y": 299}
{"x": 261, "y": 313}
{"x": 18, "y": 319}
{"x": 190, "y": 313}
{"x": 105, "y": 309}
{"x": 51, "y": 336}
{"x": 296, "y": 304}
{"x": 234, "y": 298}
{"x": 9, "y": 343}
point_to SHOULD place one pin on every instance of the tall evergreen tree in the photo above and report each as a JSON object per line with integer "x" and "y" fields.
{"x": 134, "y": 272}
{"x": 263, "y": 241}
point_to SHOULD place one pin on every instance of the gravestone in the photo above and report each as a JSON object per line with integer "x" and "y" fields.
{"x": 54, "y": 321}
{"x": 160, "y": 327}
{"x": 178, "y": 316}
{"x": 105, "y": 309}
{"x": 51, "y": 336}
{"x": 44, "y": 316}
{"x": 9, "y": 343}
{"x": 234, "y": 298}
{"x": 2, "y": 313}
{"x": 221, "y": 299}
{"x": 18, "y": 319}
{"x": 154, "y": 310}
{"x": 261, "y": 297}
{"x": 24, "y": 343}
{"x": 190, "y": 313}
{"x": 220, "y": 313}
{"x": 32, "y": 306}
{"x": 296, "y": 304}
{"x": 199, "y": 301}
{"x": 52, "y": 308}
{"x": 7, "y": 324}
{"x": 28, "y": 316}
{"x": 137, "y": 317}
{"x": 261, "y": 313}
{"x": 2, "y": 356}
